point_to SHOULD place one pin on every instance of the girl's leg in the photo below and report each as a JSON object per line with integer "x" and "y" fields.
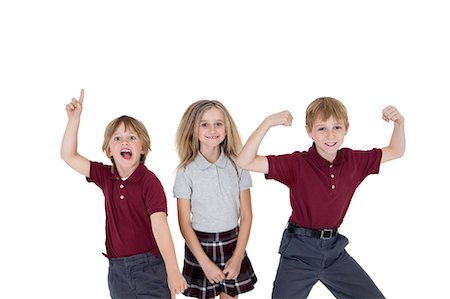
{"x": 225, "y": 296}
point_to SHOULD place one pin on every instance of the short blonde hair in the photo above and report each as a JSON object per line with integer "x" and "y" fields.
{"x": 324, "y": 108}
{"x": 187, "y": 142}
{"x": 131, "y": 124}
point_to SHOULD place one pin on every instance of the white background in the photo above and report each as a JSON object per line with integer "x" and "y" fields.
{"x": 151, "y": 59}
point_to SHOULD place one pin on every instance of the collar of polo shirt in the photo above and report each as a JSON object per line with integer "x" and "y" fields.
{"x": 203, "y": 163}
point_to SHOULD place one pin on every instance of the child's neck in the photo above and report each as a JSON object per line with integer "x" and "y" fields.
{"x": 126, "y": 172}
{"x": 211, "y": 154}
{"x": 329, "y": 157}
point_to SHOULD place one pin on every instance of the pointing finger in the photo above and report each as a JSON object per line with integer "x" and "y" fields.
{"x": 81, "y": 96}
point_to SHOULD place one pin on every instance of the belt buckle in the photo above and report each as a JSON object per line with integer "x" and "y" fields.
{"x": 326, "y": 234}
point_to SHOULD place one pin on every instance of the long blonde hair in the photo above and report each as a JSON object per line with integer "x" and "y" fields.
{"x": 187, "y": 142}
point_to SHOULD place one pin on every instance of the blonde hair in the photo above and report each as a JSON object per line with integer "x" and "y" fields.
{"x": 187, "y": 142}
{"x": 324, "y": 108}
{"x": 133, "y": 125}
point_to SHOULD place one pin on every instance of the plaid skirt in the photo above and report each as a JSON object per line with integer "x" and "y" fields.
{"x": 219, "y": 247}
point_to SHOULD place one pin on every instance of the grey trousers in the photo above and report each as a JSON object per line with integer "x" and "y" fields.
{"x": 138, "y": 276}
{"x": 305, "y": 260}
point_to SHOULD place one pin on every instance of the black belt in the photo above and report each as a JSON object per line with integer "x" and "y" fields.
{"x": 315, "y": 233}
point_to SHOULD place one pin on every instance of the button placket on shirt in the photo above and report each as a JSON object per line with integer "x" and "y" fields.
{"x": 122, "y": 186}
{"x": 216, "y": 174}
{"x": 332, "y": 178}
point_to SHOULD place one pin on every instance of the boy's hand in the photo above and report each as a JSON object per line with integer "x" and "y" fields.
{"x": 391, "y": 113}
{"x": 177, "y": 284}
{"x": 281, "y": 118}
{"x": 75, "y": 107}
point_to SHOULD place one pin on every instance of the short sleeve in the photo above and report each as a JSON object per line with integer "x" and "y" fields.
{"x": 99, "y": 174}
{"x": 245, "y": 180}
{"x": 369, "y": 161}
{"x": 283, "y": 168}
{"x": 154, "y": 196}
{"x": 182, "y": 187}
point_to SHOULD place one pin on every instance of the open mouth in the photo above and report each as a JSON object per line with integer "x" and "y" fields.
{"x": 330, "y": 144}
{"x": 126, "y": 154}
{"x": 212, "y": 137}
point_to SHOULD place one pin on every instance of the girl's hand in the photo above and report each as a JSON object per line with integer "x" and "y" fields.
{"x": 391, "y": 113}
{"x": 281, "y": 118}
{"x": 75, "y": 107}
{"x": 233, "y": 267}
{"x": 213, "y": 272}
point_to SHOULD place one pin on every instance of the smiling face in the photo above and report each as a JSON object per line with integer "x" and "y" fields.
{"x": 328, "y": 135}
{"x": 211, "y": 129}
{"x": 125, "y": 149}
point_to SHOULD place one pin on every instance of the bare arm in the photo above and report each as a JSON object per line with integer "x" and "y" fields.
{"x": 396, "y": 147}
{"x": 161, "y": 231}
{"x": 212, "y": 272}
{"x": 233, "y": 266}
{"x": 69, "y": 146}
{"x": 248, "y": 158}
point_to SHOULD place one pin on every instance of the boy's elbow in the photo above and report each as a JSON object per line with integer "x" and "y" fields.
{"x": 67, "y": 157}
{"x": 399, "y": 151}
{"x": 241, "y": 163}
{"x": 390, "y": 154}
{"x": 400, "y": 154}
{"x": 64, "y": 156}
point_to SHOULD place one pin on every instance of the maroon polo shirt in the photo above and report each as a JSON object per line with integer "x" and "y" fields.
{"x": 128, "y": 205}
{"x": 320, "y": 191}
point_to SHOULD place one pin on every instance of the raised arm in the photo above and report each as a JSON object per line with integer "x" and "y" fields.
{"x": 248, "y": 158}
{"x": 69, "y": 146}
{"x": 396, "y": 147}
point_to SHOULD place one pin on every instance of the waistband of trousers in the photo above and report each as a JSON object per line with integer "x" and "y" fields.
{"x": 135, "y": 259}
{"x": 326, "y": 233}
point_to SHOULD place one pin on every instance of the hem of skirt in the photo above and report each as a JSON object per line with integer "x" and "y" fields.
{"x": 232, "y": 294}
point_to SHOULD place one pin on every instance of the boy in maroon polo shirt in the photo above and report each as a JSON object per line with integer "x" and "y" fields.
{"x": 137, "y": 232}
{"x": 322, "y": 182}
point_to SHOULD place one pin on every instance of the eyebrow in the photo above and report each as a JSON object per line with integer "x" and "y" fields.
{"x": 217, "y": 120}
{"x": 324, "y": 124}
{"x": 127, "y": 132}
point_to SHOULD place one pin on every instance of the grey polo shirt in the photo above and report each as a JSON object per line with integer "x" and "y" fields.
{"x": 213, "y": 190}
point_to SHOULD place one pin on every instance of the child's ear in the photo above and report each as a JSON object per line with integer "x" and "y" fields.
{"x": 308, "y": 130}
{"x": 144, "y": 151}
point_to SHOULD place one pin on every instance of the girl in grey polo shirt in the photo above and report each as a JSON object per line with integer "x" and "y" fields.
{"x": 214, "y": 207}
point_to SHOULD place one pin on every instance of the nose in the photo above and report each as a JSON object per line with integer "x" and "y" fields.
{"x": 212, "y": 129}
